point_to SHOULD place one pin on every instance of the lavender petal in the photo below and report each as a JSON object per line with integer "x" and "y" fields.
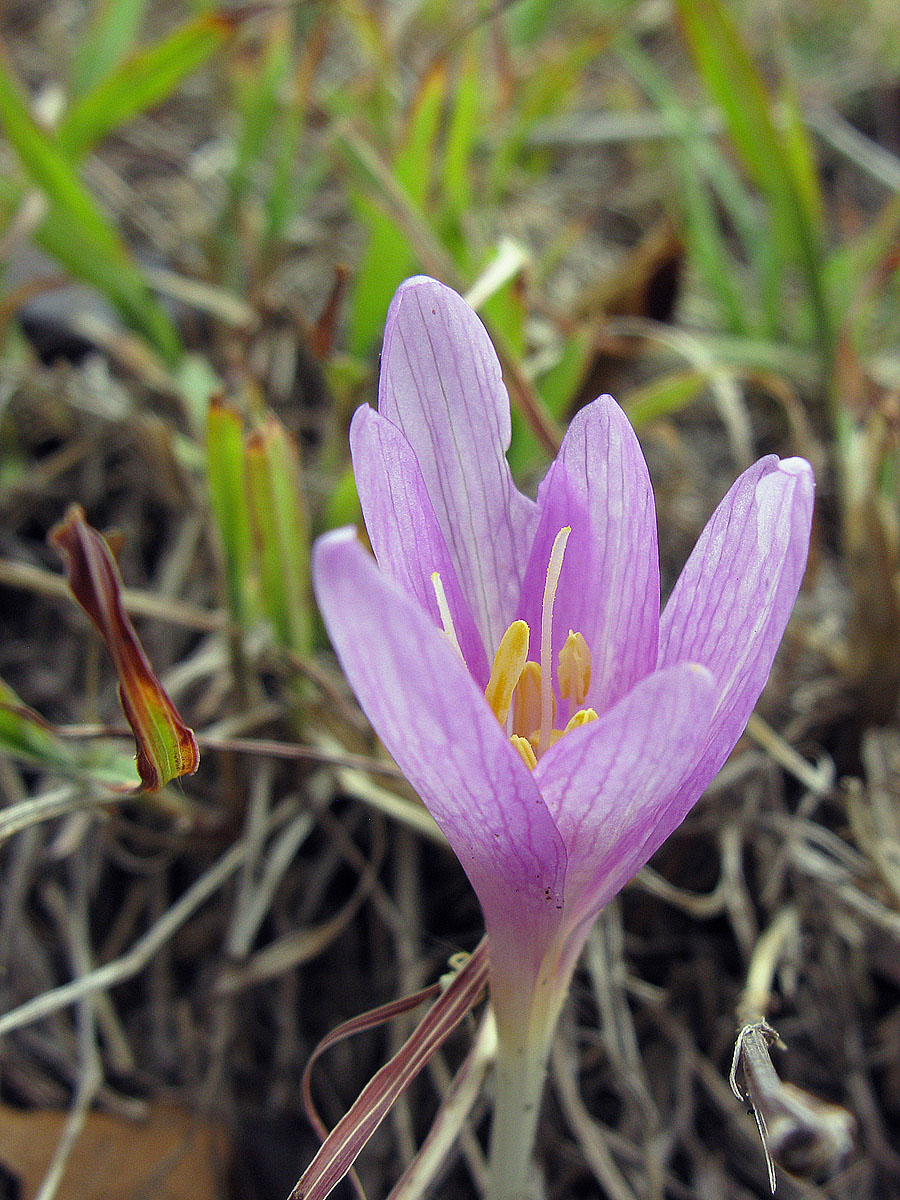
{"x": 403, "y": 529}
{"x": 614, "y": 785}
{"x": 441, "y": 386}
{"x": 609, "y": 585}
{"x": 731, "y": 604}
{"x": 433, "y": 719}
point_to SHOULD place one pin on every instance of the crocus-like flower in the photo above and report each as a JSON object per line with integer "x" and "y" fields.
{"x": 511, "y": 654}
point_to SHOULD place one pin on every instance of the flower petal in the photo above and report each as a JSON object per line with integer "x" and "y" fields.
{"x": 435, "y": 722}
{"x": 441, "y": 385}
{"x": 732, "y": 601}
{"x": 613, "y": 785}
{"x": 403, "y": 529}
{"x": 609, "y": 585}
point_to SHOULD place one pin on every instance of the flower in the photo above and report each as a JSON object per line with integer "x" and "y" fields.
{"x": 511, "y": 654}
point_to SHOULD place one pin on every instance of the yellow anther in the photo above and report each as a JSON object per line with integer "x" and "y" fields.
{"x": 524, "y": 747}
{"x": 508, "y": 663}
{"x": 526, "y": 707}
{"x": 582, "y": 717}
{"x": 574, "y": 668}
{"x": 554, "y": 567}
{"x": 444, "y": 609}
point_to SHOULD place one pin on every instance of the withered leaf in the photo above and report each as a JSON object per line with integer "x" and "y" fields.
{"x": 166, "y": 747}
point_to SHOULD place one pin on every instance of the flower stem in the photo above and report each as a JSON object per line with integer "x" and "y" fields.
{"x": 520, "y": 1070}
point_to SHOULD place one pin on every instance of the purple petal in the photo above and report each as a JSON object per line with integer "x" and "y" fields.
{"x": 609, "y": 585}
{"x": 403, "y": 529}
{"x": 441, "y": 385}
{"x": 731, "y": 604}
{"x": 613, "y": 785}
{"x": 431, "y": 716}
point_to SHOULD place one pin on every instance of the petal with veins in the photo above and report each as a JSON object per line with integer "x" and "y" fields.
{"x": 403, "y": 529}
{"x": 434, "y": 720}
{"x": 441, "y": 385}
{"x": 609, "y": 586}
{"x": 731, "y": 604}
{"x": 612, "y": 785}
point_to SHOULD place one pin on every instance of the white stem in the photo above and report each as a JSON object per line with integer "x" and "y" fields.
{"x": 520, "y": 1071}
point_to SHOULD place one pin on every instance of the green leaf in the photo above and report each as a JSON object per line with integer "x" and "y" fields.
{"x": 227, "y": 478}
{"x": 140, "y": 82}
{"x": 75, "y": 230}
{"x": 110, "y": 34}
{"x": 388, "y": 259}
{"x": 557, "y": 387}
{"x": 258, "y": 103}
{"x": 462, "y": 133}
{"x": 737, "y": 87}
{"x": 664, "y": 396}
{"x": 281, "y": 525}
{"x": 344, "y": 507}
{"x": 24, "y": 736}
{"x": 286, "y": 192}
{"x": 695, "y": 161}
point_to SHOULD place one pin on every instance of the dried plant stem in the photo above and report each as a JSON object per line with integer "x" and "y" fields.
{"x": 143, "y": 950}
{"x": 73, "y": 920}
{"x": 450, "y": 1124}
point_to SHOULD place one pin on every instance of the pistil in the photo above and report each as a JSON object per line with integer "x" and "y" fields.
{"x": 554, "y": 567}
{"x": 444, "y": 609}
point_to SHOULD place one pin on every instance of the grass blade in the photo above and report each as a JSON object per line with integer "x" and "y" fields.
{"x": 227, "y": 478}
{"x": 110, "y": 34}
{"x": 25, "y": 736}
{"x": 732, "y": 79}
{"x": 390, "y": 257}
{"x": 141, "y": 81}
{"x": 279, "y": 517}
{"x": 79, "y": 230}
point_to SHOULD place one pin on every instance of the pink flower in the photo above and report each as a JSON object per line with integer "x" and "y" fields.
{"x": 603, "y": 721}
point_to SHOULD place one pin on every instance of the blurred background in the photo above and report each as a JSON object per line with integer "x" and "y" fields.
{"x": 204, "y": 213}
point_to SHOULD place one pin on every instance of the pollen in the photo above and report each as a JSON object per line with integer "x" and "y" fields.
{"x": 509, "y": 662}
{"x": 574, "y": 668}
{"x": 525, "y": 748}
{"x": 527, "y": 700}
{"x": 582, "y": 717}
{"x": 522, "y": 693}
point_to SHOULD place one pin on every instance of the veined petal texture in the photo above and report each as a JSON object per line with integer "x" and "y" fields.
{"x": 435, "y": 722}
{"x": 609, "y": 584}
{"x": 441, "y": 386}
{"x": 613, "y": 785}
{"x": 403, "y": 529}
{"x": 733, "y": 599}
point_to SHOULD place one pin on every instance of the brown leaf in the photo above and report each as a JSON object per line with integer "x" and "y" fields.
{"x": 173, "y": 1155}
{"x": 166, "y": 748}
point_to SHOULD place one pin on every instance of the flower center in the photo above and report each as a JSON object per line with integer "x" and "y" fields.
{"x": 526, "y": 687}
{"x": 520, "y": 691}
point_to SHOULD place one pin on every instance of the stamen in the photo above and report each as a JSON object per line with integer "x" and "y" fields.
{"x": 553, "y": 569}
{"x": 526, "y": 707}
{"x": 574, "y": 669}
{"x": 444, "y": 609}
{"x": 524, "y": 747}
{"x": 508, "y": 663}
{"x": 582, "y": 717}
